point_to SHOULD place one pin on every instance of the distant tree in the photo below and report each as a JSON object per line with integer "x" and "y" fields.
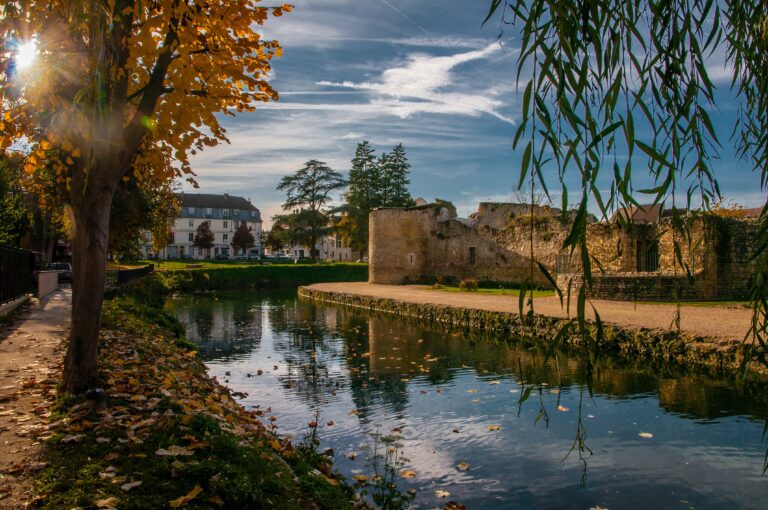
{"x": 308, "y": 191}
{"x": 137, "y": 209}
{"x": 162, "y": 236}
{"x": 14, "y": 216}
{"x": 393, "y": 179}
{"x": 204, "y": 237}
{"x": 373, "y": 182}
{"x": 277, "y": 237}
{"x": 243, "y": 238}
{"x": 361, "y": 197}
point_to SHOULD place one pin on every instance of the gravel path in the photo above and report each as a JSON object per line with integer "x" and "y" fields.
{"x": 720, "y": 323}
{"x": 31, "y": 350}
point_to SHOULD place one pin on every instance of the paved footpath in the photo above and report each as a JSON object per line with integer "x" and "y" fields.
{"x": 720, "y": 323}
{"x": 31, "y": 353}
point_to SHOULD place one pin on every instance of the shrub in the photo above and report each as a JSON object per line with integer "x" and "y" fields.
{"x": 468, "y": 284}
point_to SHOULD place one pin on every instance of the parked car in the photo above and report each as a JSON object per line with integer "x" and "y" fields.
{"x": 64, "y": 269}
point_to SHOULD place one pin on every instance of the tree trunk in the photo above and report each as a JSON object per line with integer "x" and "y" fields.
{"x": 89, "y": 259}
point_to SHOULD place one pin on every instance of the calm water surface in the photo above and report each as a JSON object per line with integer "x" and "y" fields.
{"x": 657, "y": 441}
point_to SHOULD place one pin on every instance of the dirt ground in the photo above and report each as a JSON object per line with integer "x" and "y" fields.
{"x": 725, "y": 325}
{"x": 31, "y": 353}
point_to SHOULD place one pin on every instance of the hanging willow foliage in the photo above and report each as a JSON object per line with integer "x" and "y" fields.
{"x": 620, "y": 83}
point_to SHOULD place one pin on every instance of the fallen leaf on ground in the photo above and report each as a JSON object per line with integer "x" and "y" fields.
{"x": 173, "y": 451}
{"x": 107, "y": 503}
{"x": 132, "y": 485}
{"x": 185, "y": 499}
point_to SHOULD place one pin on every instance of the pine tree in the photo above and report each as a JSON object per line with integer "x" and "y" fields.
{"x": 397, "y": 181}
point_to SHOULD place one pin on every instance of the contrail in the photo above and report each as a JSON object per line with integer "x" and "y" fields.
{"x": 401, "y": 13}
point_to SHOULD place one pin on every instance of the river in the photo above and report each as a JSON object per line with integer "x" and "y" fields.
{"x": 480, "y": 420}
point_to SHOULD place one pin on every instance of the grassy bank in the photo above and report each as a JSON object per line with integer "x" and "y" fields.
{"x": 170, "y": 436}
{"x": 261, "y": 277}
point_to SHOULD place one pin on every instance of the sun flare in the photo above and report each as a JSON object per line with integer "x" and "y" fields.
{"x": 26, "y": 54}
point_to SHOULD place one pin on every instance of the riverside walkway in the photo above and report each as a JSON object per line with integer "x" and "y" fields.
{"x": 722, "y": 324}
{"x": 31, "y": 351}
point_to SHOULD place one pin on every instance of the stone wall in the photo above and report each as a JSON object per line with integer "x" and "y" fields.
{"x": 499, "y": 242}
{"x": 425, "y": 244}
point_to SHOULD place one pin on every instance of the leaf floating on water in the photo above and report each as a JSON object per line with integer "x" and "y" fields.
{"x": 360, "y": 478}
{"x": 463, "y": 466}
{"x": 354, "y": 412}
{"x": 563, "y": 409}
{"x": 185, "y": 499}
{"x": 351, "y": 455}
{"x": 494, "y": 427}
{"x": 442, "y": 494}
{"x": 646, "y": 435}
{"x": 471, "y": 391}
{"x": 408, "y": 473}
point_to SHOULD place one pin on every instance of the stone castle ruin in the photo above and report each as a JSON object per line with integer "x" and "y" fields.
{"x": 501, "y": 243}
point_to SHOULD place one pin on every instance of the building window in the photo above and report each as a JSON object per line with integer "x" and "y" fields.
{"x": 191, "y": 223}
{"x": 647, "y": 256}
{"x": 191, "y": 211}
{"x": 412, "y": 258}
{"x": 236, "y": 213}
{"x": 225, "y": 223}
{"x": 225, "y": 212}
{"x": 338, "y": 243}
{"x": 472, "y": 255}
{"x": 208, "y": 211}
{"x": 191, "y": 237}
{"x": 226, "y": 237}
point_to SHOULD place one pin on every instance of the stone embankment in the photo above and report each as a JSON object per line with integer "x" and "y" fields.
{"x": 710, "y": 338}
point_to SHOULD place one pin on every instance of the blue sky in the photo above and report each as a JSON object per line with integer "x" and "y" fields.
{"x": 421, "y": 72}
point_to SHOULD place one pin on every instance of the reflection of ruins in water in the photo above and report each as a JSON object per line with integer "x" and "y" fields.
{"x": 221, "y": 329}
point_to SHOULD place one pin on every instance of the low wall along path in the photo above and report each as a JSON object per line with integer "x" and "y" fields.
{"x": 710, "y": 336}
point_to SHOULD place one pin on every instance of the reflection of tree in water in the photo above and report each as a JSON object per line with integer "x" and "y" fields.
{"x": 312, "y": 353}
{"x": 222, "y": 328}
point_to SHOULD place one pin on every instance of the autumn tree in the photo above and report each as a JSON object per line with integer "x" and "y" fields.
{"x": 14, "y": 216}
{"x": 121, "y": 90}
{"x": 137, "y": 210}
{"x": 308, "y": 192}
{"x": 204, "y": 237}
{"x": 243, "y": 239}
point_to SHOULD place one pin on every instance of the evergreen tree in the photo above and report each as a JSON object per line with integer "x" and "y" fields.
{"x": 395, "y": 175}
{"x": 308, "y": 191}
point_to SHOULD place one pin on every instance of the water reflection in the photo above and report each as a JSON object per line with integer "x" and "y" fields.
{"x": 509, "y": 413}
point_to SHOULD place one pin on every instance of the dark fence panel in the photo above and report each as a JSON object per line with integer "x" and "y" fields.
{"x": 128, "y": 275}
{"x": 17, "y": 268}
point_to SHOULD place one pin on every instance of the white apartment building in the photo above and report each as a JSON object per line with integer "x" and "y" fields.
{"x": 225, "y": 213}
{"x": 328, "y": 247}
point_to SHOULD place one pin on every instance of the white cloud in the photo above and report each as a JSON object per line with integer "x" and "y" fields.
{"x": 420, "y": 86}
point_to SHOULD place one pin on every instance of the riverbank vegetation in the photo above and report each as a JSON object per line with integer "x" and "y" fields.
{"x": 167, "y": 434}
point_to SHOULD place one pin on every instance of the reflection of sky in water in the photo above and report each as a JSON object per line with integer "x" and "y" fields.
{"x": 444, "y": 390}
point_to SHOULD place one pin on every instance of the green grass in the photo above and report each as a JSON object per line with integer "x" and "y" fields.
{"x": 184, "y": 265}
{"x": 493, "y": 292}
{"x": 160, "y": 396}
{"x": 726, "y": 303}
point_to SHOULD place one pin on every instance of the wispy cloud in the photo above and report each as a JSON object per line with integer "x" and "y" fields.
{"x": 423, "y": 85}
